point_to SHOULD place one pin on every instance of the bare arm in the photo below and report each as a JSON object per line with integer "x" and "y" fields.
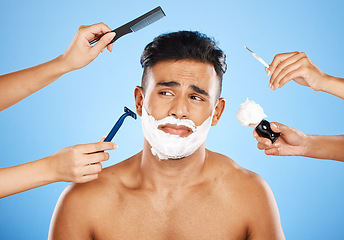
{"x": 80, "y": 163}
{"x": 71, "y": 217}
{"x": 265, "y": 220}
{"x": 298, "y": 67}
{"x": 16, "y": 86}
{"x": 293, "y": 142}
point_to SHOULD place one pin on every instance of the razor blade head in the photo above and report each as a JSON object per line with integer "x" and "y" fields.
{"x": 131, "y": 113}
{"x": 148, "y": 19}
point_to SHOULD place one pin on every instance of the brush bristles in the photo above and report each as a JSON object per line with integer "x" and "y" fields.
{"x": 148, "y": 20}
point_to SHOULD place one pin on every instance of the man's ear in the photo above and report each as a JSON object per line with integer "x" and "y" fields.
{"x": 220, "y": 106}
{"x": 138, "y": 95}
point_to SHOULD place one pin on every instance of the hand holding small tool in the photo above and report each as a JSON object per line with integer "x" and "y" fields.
{"x": 251, "y": 114}
{"x": 134, "y": 25}
{"x": 80, "y": 53}
{"x": 298, "y": 67}
{"x": 79, "y": 163}
{"x": 291, "y": 142}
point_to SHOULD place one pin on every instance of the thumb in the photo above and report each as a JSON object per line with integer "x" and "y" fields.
{"x": 280, "y": 128}
{"x": 276, "y": 127}
{"x": 104, "y": 40}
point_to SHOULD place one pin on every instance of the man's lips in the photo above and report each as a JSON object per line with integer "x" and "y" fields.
{"x": 180, "y": 130}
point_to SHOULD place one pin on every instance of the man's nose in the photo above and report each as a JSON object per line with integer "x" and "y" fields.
{"x": 179, "y": 108}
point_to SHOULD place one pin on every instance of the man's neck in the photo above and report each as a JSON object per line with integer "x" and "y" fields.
{"x": 171, "y": 175}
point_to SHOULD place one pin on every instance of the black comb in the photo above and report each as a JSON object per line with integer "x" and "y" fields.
{"x": 136, "y": 24}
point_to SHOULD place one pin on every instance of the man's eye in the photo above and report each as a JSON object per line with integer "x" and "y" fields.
{"x": 165, "y": 93}
{"x": 196, "y": 98}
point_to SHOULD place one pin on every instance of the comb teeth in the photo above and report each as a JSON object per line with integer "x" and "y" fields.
{"x": 148, "y": 20}
{"x": 132, "y": 114}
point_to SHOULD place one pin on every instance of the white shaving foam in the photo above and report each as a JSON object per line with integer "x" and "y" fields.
{"x": 169, "y": 146}
{"x": 250, "y": 113}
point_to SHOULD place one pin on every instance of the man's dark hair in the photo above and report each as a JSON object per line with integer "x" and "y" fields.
{"x": 184, "y": 45}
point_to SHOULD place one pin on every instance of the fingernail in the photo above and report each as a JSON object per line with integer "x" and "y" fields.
{"x": 269, "y": 73}
{"x": 111, "y": 35}
{"x": 277, "y": 86}
{"x": 115, "y": 146}
{"x": 274, "y": 125}
{"x": 270, "y": 86}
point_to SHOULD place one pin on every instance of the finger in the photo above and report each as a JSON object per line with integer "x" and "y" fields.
{"x": 255, "y": 134}
{"x": 93, "y": 169}
{"x": 278, "y": 59}
{"x": 284, "y": 63}
{"x": 88, "y": 178}
{"x": 287, "y": 78}
{"x": 272, "y": 151}
{"x": 109, "y": 47}
{"x": 291, "y": 64}
{"x": 103, "y": 139}
{"x": 96, "y": 157}
{"x": 267, "y": 70}
{"x": 275, "y": 126}
{"x": 101, "y": 44}
{"x": 264, "y": 141}
{"x": 95, "y": 147}
{"x": 92, "y": 31}
{"x": 280, "y": 128}
{"x": 263, "y": 145}
{"x": 275, "y": 80}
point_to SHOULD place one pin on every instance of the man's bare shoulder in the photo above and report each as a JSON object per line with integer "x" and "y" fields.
{"x": 235, "y": 176}
{"x": 110, "y": 182}
{"x": 251, "y": 195}
{"x": 81, "y": 204}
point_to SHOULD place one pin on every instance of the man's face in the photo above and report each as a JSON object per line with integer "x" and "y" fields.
{"x": 183, "y": 89}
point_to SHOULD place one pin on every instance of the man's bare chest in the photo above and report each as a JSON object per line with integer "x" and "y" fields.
{"x": 194, "y": 218}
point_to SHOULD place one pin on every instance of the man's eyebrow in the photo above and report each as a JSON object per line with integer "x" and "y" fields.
{"x": 176, "y": 84}
{"x": 198, "y": 90}
{"x": 168, "y": 84}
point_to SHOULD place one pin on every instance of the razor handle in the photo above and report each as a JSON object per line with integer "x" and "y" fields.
{"x": 264, "y": 130}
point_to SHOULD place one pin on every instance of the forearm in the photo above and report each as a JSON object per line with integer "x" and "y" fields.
{"x": 334, "y": 86}
{"x": 325, "y": 147}
{"x": 18, "y": 85}
{"x": 25, "y": 177}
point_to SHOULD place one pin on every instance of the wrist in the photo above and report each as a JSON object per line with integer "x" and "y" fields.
{"x": 50, "y": 169}
{"x": 307, "y": 151}
{"x": 62, "y": 66}
{"x": 328, "y": 83}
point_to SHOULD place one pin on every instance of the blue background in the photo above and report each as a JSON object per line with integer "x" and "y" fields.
{"x": 82, "y": 106}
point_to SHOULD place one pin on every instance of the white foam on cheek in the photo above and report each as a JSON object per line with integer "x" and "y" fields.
{"x": 168, "y": 146}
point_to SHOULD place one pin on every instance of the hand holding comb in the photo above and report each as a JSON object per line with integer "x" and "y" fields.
{"x": 136, "y": 24}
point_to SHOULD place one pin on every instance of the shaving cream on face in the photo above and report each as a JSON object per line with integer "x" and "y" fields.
{"x": 250, "y": 113}
{"x": 169, "y": 146}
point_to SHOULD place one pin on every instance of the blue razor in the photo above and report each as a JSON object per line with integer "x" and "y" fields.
{"x": 114, "y": 130}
